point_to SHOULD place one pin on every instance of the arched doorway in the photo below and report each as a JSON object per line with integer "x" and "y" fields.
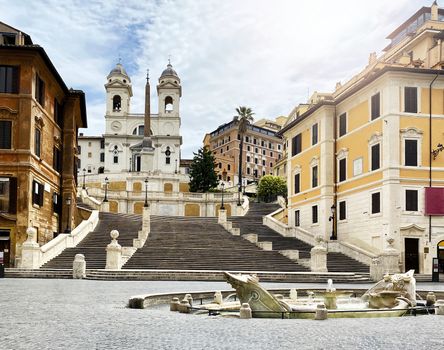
{"x": 440, "y": 255}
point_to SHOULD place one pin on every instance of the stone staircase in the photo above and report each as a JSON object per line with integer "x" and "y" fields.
{"x": 197, "y": 243}
{"x": 252, "y": 223}
{"x": 94, "y": 245}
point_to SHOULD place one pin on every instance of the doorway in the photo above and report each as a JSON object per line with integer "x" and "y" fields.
{"x": 440, "y": 256}
{"x": 5, "y": 248}
{"x": 411, "y": 254}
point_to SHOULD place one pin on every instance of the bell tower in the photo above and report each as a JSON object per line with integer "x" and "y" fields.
{"x": 169, "y": 92}
{"x": 118, "y": 92}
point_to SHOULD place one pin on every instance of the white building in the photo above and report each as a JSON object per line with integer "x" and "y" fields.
{"x": 136, "y": 142}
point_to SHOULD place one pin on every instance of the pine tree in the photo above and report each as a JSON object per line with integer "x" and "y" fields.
{"x": 202, "y": 173}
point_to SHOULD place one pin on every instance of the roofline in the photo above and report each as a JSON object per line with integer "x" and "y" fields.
{"x": 359, "y": 86}
{"x": 18, "y": 30}
{"x": 249, "y": 125}
{"x": 81, "y": 95}
{"x": 422, "y": 10}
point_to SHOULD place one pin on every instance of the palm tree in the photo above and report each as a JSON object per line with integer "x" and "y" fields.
{"x": 245, "y": 118}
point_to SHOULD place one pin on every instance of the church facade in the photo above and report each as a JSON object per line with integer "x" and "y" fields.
{"x": 136, "y": 142}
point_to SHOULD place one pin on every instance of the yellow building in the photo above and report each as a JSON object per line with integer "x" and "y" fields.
{"x": 361, "y": 160}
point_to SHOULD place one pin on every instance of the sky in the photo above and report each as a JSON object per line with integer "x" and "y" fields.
{"x": 269, "y": 55}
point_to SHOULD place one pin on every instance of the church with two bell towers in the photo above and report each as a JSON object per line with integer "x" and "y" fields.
{"x": 136, "y": 142}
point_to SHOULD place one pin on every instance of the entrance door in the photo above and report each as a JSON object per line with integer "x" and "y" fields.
{"x": 441, "y": 256}
{"x": 5, "y": 246}
{"x": 411, "y": 254}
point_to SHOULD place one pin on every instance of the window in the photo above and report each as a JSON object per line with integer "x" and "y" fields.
{"x": 248, "y": 159}
{"x": 263, "y": 152}
{"x": 375, "y": 149}
{"x": 56, "y": 203}
{"x": 263, "y": 172}
{"x": 89, "y": 144}
{"x": 314, "y": 134}
{"x": 117, "y": 103}
{"x": 80, "y": 149}
{"x": 9, "y": 79}
{"x": 263, "y": 162}
{"x": 271, "y": 154}
{"x": 116, "y": 159}
{"x": 314, "y": 176}
{"x": 297, "y": 183}
{"x": 342, "y": 210}
{"x": 37, "y": 140}
{"x": 410, "y": 100}
{"x": 411, "y": 200}
{"x": 263, "y": 143}
{"x": 255, "y": 160}
{"x": 271, "y": 165}
{"x": 58, "y": 114}
{"x": 57, "y": 160}
{"x": 37, "y": 193}
{"x": 411, "y": 152}
{"x": 314, "y": 214}
{"x": 248, "y": 148}
{"x": 139, "y": 130}
{"x": 39, "y": 90}
{"x": 248, "y": 171}
{"x": 102, "y": 157}
{"x": 8, "y": 195}
{"x": 228, "y": 166}
{"x": 342, "y": 124}
{"x": 254, "y": 141}
{"x": 102, "y": 144}
{"x": 256, "y": 150}
{"x": 247, "y": 139}
{"x": 89, "y": 169}
{"x": 168, "y": 156}
{"x": 342, "y": 169}
{"x": 279, "y": 147}
{"x": 89, "y": 154}
{"x": 220, "y": 165}
{"x": 296, "y": 144}
{"x": 376, "y": 203}
{"x": 5, "y": 134}
{"x": 270, "y": 145}
{"x": 375, "y": 106}
{"x": 297, "y": 218}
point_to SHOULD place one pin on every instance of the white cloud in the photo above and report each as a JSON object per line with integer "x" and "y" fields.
{"x": 262, "y": 54}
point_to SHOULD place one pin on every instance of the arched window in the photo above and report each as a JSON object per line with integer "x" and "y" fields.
{"x": 168, "y": 104}
{"x": 167, "y": 155}
{"x": 115, "y": 155}
{"x": 139, "y": 130}
{"x": 117, "y": 103}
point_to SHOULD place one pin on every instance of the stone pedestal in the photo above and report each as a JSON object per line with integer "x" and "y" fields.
{"x": 265, "y": 245}
{"x": 146, "y": 221}
{"x": 218, "y": 299}
{"x": 222, "y": 219}
{"x": 245, "y": 311}
{"x": 439, "y": 307}
{"x": 30, "y": 251}
{"x": 79, "y": 267}
{"x": 184, "y": 307}
{"x": 321, "y": 312}
{"x": 174, "y": 304}
{"x": 104, "y": 207}
{"x": 113, "y": 253}
{"x": 318, "y": 261}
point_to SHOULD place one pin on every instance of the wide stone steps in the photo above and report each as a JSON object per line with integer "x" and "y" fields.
{"x": 94, "y": 245}
{"x": 252, "y": 223}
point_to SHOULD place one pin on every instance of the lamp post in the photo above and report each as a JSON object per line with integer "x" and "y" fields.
{"x": 175, "y": 171}
{"x": 332, "y": 219}
{"x": 84, "y": 178}
{"x": 106, "y": 190}
{"x": 68, "y": 216}
{"x": 222, "y": 205}
{"x": 146, "y": 193}
{"x": 239, "y": 190}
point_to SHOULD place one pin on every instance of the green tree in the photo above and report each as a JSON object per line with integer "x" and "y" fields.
{"x": 202, "y": 173}
{"x": 244, "y": 118}
{"x": 270, "y": 187}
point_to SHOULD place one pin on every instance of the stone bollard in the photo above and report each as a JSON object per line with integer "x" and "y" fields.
{"x": 293, "y": 294}
{"x": 222, "y": 219}
{"x": 218, "y": 299}
{"x": 104, "y": 207}
{"x": 245, "y": 311}
{"x": 439, "y": 307}
{"x": 174, "y": 305}
{"x": 79, "y": 267}
{"x": 189, "y": 298}
{"x": 321, "y": 312}
{"x": 318, "y": 261}
{"x": 113, "y": 253}
{"x": 430, "y": 299}
{"x": 146, "y": 221}
{"x": 31, "y": 252}
{"x": 184, "y": 307}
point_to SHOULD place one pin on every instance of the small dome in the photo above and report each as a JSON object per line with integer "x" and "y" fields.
{"x": 118, "y": 70}
{"x": 169, "y": 71}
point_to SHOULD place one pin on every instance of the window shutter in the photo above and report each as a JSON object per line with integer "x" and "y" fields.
{"x": 40, "y": 195}
{"x": 12, "y": 195}
{"x": 411, "y": 152}
{"x": 375, "y": 106}
{"x": 410, "y": 99}
{"x": 297, "y": 186}
{"x": 375, "y": 157}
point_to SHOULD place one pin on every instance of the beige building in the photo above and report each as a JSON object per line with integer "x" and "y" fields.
{"x": 365, "y": 163}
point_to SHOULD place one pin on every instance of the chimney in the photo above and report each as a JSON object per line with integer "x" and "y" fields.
{"x": 434, "y": 11}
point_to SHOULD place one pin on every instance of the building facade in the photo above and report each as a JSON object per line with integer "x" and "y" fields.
{"x": 365, "y": 166}
{"x": 135, "y": 142}
{"x": 39, "y": 119}
{"x": 261, "y": 150}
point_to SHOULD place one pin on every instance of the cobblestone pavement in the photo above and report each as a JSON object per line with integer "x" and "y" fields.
{"x": 82, "y": 314}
